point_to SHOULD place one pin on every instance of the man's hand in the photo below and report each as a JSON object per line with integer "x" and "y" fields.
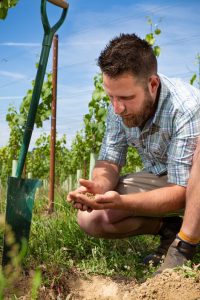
{"x": 108, "y": 200}
{"x": 87, "y": 186}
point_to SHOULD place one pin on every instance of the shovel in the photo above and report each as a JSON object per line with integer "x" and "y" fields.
{"x": 21, "y": 192}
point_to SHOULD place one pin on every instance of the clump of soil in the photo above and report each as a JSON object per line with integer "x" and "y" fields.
{"x": 90, "y": 196}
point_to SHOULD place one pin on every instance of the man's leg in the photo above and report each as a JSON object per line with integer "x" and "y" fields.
{"x": 183, "y": 247}
{"x": 120, "y": 224}
{"x": 114, "y": 224}
{"x": 191, "y": 221}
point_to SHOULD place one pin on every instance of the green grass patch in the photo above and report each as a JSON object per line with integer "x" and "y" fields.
{"x": 57, "y": 245}
{"x": 57, "y": 239}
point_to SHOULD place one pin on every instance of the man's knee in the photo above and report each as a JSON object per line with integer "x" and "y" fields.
{"x": 92, "y": 223}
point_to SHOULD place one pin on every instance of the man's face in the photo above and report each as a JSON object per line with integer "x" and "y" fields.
{"x": 130, "y": 99}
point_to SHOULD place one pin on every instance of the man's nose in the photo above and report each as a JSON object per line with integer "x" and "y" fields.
{"x": 118, "y": 106}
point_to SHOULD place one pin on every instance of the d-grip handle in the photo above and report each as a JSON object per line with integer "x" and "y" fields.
{"x": 60, "y": 3}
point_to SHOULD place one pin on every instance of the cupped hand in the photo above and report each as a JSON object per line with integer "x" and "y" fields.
{"x": 109, "y": 200}
{"x": 86, "y": 186}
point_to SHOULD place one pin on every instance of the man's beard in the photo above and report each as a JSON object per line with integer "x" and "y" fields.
{"x": 145, "y": 113}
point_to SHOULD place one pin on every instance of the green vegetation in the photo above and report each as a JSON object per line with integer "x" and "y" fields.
{"x": 86, "y": 140}
{"x": 57, "y": 245}
{"x": 58, "y": 239}
{"x": 58, "y": 248}
{"x": 196, "y": 76}
{"x": 5, "y": 5}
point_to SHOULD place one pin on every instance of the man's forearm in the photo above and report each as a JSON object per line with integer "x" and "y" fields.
{"x": 155, "y": 202}
{"x": 106, "y": 175}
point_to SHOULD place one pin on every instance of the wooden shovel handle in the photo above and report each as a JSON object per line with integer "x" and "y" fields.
{"x": 60, "y": 3}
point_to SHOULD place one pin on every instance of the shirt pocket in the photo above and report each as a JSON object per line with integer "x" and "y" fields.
{"x": 157, "y": 146}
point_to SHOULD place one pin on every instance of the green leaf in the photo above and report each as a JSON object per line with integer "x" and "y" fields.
{"x": 3, "y": 13}
{"x": 157, "y": 31}
{"x": 192, "y": 80}
{"x": 156, "y": 50}
{"x": 101, "y": 112}
{"x": 150, "y": 39}
{"x": 4, "y": 6}
{"x": 96, "y": 95}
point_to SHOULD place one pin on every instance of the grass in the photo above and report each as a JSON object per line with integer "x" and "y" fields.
{"x": 57, "y": 245}
{"x": 58, "y": 239}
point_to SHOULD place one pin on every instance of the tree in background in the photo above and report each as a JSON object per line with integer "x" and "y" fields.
{"x": 38, "y": 159}
{"x": 87, "y": 140}
{"x": 80, "y": 153}
{"x": 94, "y": 120}
{"x": 17, "y": 121}
{"x": 4, "y": 7}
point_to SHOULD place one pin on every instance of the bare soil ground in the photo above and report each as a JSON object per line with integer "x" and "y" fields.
{"x": 170, "y": 285}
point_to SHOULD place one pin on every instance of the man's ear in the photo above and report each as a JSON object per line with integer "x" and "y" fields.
{"x": 153, "y": 85}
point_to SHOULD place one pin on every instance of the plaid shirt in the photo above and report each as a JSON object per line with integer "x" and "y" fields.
{"x": 167, "y": 142}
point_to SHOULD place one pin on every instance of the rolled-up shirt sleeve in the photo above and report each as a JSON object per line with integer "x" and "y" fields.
{"x": 114, "y": 145}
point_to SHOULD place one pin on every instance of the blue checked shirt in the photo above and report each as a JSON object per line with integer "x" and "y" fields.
{"x": 167, "y": 142}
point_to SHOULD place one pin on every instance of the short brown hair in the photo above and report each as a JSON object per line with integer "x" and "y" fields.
{"x": 128, "y": 53}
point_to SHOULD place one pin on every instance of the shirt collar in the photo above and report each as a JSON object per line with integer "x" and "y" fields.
{"x": 164, "y": 94}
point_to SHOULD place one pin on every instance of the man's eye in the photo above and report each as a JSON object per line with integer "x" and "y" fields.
{"x": 127, "y": 99}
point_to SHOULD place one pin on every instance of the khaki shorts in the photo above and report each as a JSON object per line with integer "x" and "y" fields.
{"x": 143, "y": 182}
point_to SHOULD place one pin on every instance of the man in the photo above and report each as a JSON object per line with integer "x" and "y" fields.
{"x": 160, "y": 117}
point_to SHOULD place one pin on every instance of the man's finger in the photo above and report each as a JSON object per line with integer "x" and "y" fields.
{"x": 84, "y": 200}
{"x": 81, "y": 189}
{"x": 102, "y": 199}
{"x": 86, "y": 183}
{"x": 85, "y": 207}
{"x": 78, "y": 205}
{"x": 71, "y": 196}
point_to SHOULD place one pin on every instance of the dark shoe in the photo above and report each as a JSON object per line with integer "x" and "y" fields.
{"x": 178, "y": 254}
{"x": 167, "y": 232}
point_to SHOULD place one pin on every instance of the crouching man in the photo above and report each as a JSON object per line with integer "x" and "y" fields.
{"x": 160, "y": 117}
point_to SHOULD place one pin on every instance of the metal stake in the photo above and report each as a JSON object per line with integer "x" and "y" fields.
{"x": 53, "y": 125}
